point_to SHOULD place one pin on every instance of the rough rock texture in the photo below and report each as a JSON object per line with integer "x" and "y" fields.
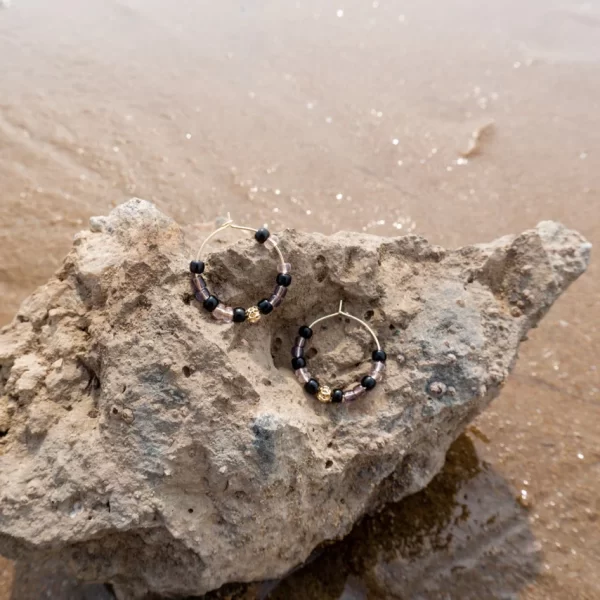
{"x": 145, "y": 444}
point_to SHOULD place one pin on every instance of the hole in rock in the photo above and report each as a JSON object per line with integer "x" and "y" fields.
{"x": 330, "y": 444}
{"x": 311, "y": 353}
{"x": 277, "y": 342}
{"x": 186, "y": 371}
{"x": 392, "y": 327}
{"x": 328, "y": 464}
{"x": 187, "y": 299}
{"x": 320, "y": 268}
{"x": 115, "y": 410}
{"x": 93, "y": 379}
{"x": 190, "y": 510}
{"x": 3, "y": 433}
{"x": 369, "y": 315}
{"x": 266, "y": 381}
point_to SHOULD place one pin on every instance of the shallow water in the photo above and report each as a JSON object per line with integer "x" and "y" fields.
{"x": 460, "y": 120}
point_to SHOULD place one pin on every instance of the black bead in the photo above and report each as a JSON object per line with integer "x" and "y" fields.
{"x": 379, "y": 356}
{"x": 337, "y": 396}
{"x": 262, "y": 235}
{"x": 211, "y": 303}
{"x": 312, "y": 386}
{"x": 197, "y": 266}
{"x": 239, "y": 315}
{"x": 298, "y": 363}
{"x": 368, "y": 382}
{"x": 305, "y": 331}
{"x": 284, "y": 279}
{"x": 265, "y": 307}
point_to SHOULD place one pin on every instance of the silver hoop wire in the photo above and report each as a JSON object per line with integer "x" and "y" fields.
{"x": 229, "y": 224}
{"x": 345, "y": 314}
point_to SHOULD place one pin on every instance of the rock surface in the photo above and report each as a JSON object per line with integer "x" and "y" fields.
{"x": 464, "y": 536}
{"x": 145, "y": 444}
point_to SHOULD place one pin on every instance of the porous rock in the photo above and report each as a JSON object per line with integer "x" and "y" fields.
{"x": 146, "y": 444}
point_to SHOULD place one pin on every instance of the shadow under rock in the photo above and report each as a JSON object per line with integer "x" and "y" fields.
{"x": 464, "y": 537}
{"x": 39, "y": 581}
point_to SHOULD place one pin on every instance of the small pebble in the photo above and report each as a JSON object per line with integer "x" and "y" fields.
{"x": 515, "y": 311}
{"x": 437, "y": 388}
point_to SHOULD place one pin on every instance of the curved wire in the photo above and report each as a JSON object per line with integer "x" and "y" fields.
{"x": 345, "y": 314}
{"x": 229, "y": 224}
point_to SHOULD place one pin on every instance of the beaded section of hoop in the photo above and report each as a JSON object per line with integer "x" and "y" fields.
{"x": 227, "y": 314}
{"x": 324, "y": 393}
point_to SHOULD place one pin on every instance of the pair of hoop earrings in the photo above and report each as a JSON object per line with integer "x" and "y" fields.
{"x": 253, "y": 314}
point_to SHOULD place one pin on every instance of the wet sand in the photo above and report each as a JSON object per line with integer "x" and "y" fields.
{"x": 460, "y": 121}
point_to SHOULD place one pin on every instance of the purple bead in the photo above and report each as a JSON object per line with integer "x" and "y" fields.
{"x": 377, "y": 370}
{"x": 278, "y": 295}
{"x": 202, "y": 295}
{"x": 223, "y": 313}
{"x": 303, "y": 375}
{"x": 198, "y": 282}
{"x": 200, "y": 290}
{"x": 300, "y": 342}
{"x": 354, "y": 393}
{"x": 297, "y": 352}
{"x": 359, "y": 390}
{"x": 348, "y": 396}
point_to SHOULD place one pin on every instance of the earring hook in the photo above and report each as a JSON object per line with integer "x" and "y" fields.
{"x": 341, "y": 312}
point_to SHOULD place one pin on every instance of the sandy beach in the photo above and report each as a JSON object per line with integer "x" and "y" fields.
{"x": 459, "y": 121}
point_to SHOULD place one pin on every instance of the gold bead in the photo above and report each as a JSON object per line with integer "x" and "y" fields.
{"x": 253, "y": 314}
{"x": 324, "y": 394}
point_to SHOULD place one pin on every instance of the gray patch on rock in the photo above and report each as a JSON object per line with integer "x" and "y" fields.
{"x": 264, "y": 429}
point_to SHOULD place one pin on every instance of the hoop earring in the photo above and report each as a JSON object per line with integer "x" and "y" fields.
{"x": 227, "y": 314}
{"x": 324, "y": 393}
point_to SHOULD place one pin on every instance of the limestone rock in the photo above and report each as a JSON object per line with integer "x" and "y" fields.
{"x": 145, "y": 444}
